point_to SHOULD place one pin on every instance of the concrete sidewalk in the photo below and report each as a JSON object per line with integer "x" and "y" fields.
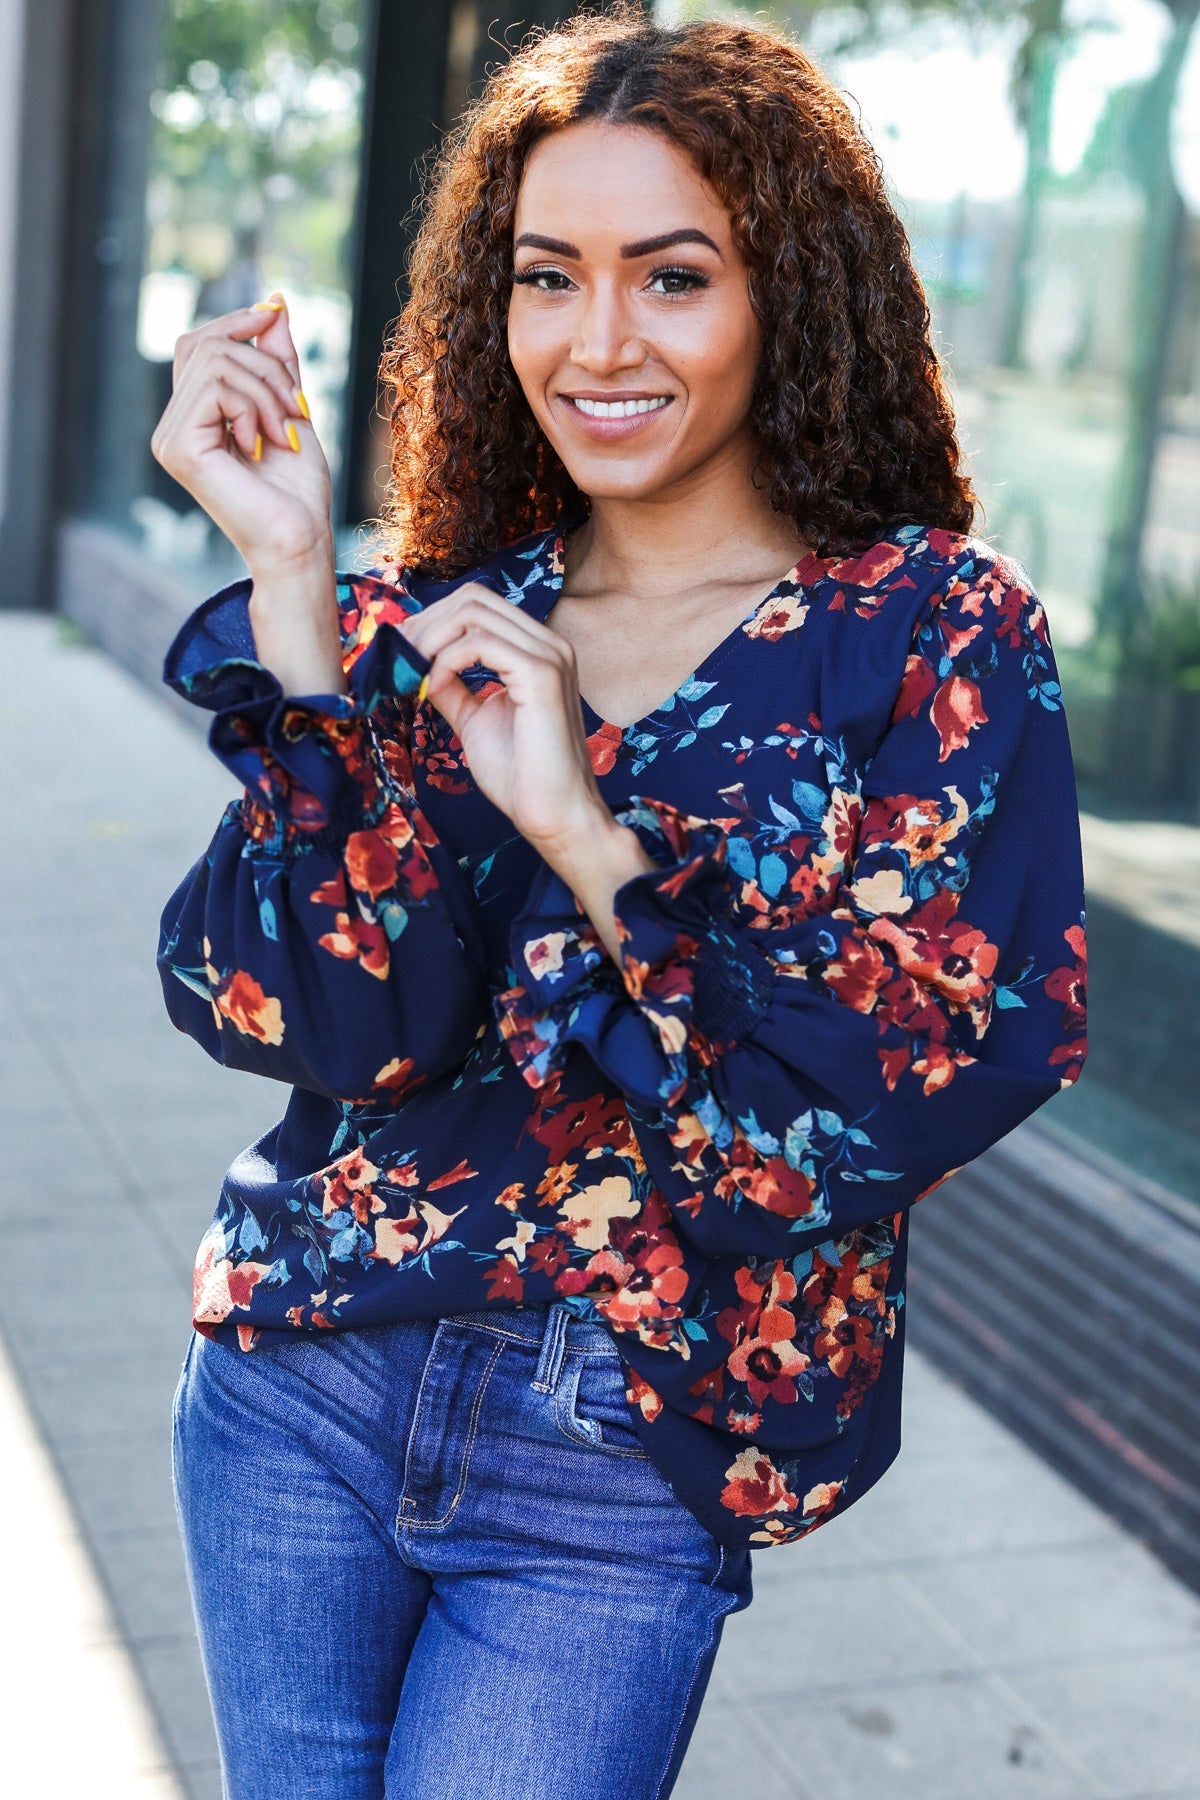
{"x": 972, "y": 1628}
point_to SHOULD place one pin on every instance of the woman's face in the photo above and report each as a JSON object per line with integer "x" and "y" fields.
{"x": 630, "y": 326}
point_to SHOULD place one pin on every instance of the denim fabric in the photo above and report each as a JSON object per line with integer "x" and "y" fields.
{"x": 430, "y": 1560}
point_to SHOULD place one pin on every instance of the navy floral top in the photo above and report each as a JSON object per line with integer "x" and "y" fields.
{"x": 857, "y": 962}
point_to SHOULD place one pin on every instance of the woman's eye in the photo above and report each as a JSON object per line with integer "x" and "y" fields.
{"x": 548, "y": 280}
{"x": 679, "y": 281}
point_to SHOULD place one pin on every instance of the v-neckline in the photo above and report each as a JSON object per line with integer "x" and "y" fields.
{"x": 551, "y": 586}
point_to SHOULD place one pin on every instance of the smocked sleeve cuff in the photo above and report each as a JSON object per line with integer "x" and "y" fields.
{"x": 308, "y": 763}
{"x": 689, "y": 980}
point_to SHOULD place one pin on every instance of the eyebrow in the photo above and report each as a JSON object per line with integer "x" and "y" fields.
{"x": 643, "y": 247}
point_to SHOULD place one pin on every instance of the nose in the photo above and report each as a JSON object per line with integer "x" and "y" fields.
{"x": 604, "y": 336}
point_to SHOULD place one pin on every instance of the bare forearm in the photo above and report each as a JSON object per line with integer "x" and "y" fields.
{"x": 594, "y": 868}
{"x": 294, "y": 617}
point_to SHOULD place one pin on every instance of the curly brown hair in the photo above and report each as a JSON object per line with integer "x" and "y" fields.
{"x": 850, "y": 411}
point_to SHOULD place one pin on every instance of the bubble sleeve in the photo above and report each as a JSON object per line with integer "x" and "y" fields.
{"x": 326, "y": 938}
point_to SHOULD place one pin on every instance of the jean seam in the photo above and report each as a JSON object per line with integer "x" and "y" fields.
{"x": 578, "y": 1437}
{"x": 551, "y": 1351}
{"x": 723, "y": 1613}
{"x": 464, "y": 1463}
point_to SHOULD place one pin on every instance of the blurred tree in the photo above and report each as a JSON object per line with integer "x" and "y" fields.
{"x": 248, "y": 110}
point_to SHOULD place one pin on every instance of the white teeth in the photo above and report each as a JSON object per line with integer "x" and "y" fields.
{"x": 619, "y": 409}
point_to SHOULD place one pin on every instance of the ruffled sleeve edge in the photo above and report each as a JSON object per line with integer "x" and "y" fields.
{"x": 305, "y": 759}
{"x": 688, "y": 973}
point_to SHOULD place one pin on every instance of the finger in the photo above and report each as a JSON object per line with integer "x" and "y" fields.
{"x": 473, "y": 603}
{"x": 217, "y": 380}
{"x": 265, "y": 321}
{"x": 245, "y": 323}
{"x": 240, "y": 415}
{"x": 276, "y": 338}
{"x": 525, "y": 670}
{"x": 239, "y": 363}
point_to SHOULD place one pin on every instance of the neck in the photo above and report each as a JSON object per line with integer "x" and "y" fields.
{"x": 721, "y": 524}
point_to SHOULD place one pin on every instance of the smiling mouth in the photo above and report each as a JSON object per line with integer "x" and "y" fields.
{"x": 618, "y": 409}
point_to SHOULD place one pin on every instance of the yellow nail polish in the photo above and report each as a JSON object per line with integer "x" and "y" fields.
{"x": 424, "y": 687}
{"x": 258, "y": 446}
{"x": 293, "y": 436}
{"x": 302, "y": 403}
{"x": 267, "y": 306}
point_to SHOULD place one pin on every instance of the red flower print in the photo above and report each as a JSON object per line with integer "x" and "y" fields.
{"x": 371, "y": 862}
{"x": 944, "y": 953}
{"x": 1069, "y": 982}
{"x": 602, "y": 748}
{"x": 397, "y": 1076}
{"x": 240, "y": 999}
{"x": 850, "y": 1338}
{"x": 864, "y": 571}
{"x": 574, "y": 1127}
{"x": 462, "y": 1171}
{"x": 957, "y": 709}
{"x": 858, "y": 973}
{"x": 754, "y": 1486}
{"x": 639, "y": 1393}
{"x": 218, "y": 1285}
{"x": 504, "y": 1280}
{"x": 361, "y": 938}
{"x": 918, "y": 683}
{"x": 655, "y": 1279}
{"x": 331, "y": 892}
{"x": 348, "y": 1187}
{"x": 821, "y": 1500}
{"x": 548, "y": 1254}
{"x": 773, "y": 1184}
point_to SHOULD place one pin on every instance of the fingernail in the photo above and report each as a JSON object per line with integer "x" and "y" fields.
{"x": 302, "y": 403}
{"x": 293, "y": 436}
{"x": 424, "y": 687}
{"x": 267, "y": 306}
{"x": 258, "y": 446}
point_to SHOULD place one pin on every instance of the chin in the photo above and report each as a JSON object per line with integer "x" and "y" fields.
{"x": 600, "y": 481}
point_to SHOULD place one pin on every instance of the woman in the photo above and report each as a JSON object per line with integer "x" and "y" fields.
{"x": 652, "y": 878}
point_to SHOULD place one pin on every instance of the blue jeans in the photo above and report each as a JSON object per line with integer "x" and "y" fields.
{"x": 431, "y": 1561}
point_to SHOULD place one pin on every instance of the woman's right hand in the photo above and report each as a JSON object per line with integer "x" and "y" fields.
{"x": 230, "y": 432}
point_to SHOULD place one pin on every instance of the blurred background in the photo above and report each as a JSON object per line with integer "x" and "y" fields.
{"x": 162, "y": 161}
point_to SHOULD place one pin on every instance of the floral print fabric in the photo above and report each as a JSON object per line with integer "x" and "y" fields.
{"x": 858, "y": 961}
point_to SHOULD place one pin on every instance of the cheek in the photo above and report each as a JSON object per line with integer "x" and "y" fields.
{"x": 721, "y": 361}
{"x": 532, "y": 342}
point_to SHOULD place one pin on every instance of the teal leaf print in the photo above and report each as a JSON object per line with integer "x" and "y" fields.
{"x": 266, "y": 918}
{"x": 394, "y": 918}
{"x": 741, "y": 858}
{"x": 811, "y": 800}
{"x": 772, "y": 873}
{"x": 712, "y": 714}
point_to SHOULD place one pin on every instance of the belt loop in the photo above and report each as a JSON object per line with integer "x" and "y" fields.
{"x": 554, "y": 1343}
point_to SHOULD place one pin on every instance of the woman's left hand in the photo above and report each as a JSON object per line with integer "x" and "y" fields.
{"x": 524, "y": 743}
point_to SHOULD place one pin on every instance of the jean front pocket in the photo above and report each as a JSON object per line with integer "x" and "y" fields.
{"x": 591, "y": 1404}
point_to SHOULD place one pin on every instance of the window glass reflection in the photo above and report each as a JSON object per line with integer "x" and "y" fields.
{"x": 254, "y": 135}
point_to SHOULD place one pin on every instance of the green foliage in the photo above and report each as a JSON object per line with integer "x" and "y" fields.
{"x": 239, "y": 36}
{"x": 1164, "y": 646}
{"x": 257, "y": 107}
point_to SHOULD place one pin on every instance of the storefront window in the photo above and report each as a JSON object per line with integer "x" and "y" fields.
{"x": 247, "y": 181}
{"x": 1046, "y": 162}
